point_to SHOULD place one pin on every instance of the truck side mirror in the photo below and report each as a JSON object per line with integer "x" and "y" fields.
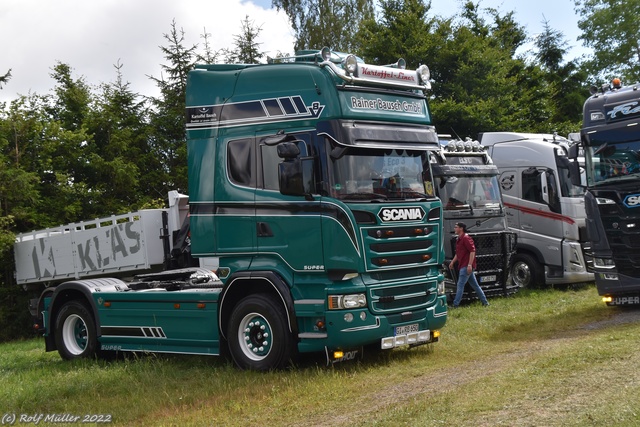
{"x": 296, "y": 176}
{"x": 573, "y": 151}
{"x": 288, "y": 150}
{"x": 574, "y": 173}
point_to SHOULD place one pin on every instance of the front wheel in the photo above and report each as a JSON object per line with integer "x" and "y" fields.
{"x": 76, "y": 331}
{"x": 526, "y": 272}
{"x": 258, "y": 334}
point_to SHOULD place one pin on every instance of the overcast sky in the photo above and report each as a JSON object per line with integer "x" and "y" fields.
{"x": 93, "y": 35}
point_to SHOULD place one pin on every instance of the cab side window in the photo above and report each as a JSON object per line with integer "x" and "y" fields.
{"x": 270, "y": 161}
{"x": 240, "y": 162}
{"x": 531, "y": 189}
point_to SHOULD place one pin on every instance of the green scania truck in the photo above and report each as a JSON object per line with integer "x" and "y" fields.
{"x": 310, "y": 187}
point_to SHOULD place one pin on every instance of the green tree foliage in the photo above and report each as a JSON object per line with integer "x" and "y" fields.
{"x": 479, "y": 81}
{"x": 319, "y": 23}
{"x": 565, "y": 81}
{"x": 122, "y": 162}
{"x": 403, "y": 30}
{"x": 167, "y": 119}
{"x": 610, "y": 28}
{"x": 479, "y": 84}
{"x": 5, "y": 78}
{"x": 247, "y": 48}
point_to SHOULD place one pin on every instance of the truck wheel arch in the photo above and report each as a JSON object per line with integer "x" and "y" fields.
{"x": 243, "y": 284}
{"x": 81, "y": 290}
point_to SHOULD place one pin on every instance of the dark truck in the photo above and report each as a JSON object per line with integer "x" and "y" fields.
{"x": 610, "y": 138}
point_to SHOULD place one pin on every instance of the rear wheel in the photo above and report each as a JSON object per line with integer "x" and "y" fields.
{"x": 258, "y": 334}
{"x": 526, "y": 272}
{"x": 76, "y": 331}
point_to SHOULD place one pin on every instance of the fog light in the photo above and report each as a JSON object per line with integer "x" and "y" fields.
{"x": 363, "y": 315}
{"x": 338, "y": 354}
{"x": 386, "y": 343}
{"x": 348, "y": 317}
{"x": 607, "y": 299}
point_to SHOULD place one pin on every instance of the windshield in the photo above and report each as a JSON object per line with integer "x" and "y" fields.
{"x": 468, "y": 192}
{"x": 611, "y": 159}
{"x": 373, "y": 174}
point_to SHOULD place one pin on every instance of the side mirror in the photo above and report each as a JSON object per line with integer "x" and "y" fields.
{"x": 296, "y": 176}
{"x": 573, "y": 151}
{"x": 288, "y": 150}
{"x": 574, "y": 173}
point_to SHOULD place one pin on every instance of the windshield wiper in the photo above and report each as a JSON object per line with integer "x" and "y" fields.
{"x": 364, "y": 196}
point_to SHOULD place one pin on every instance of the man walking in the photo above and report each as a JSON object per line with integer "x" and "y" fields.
{"x": 466, "y": 258}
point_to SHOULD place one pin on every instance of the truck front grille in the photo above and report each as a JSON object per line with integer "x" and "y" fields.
{"x": 390, "y": 247}
{"x": 493, "y": 260}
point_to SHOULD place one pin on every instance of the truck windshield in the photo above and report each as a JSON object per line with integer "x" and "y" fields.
{"x": 468, "y": 192}
{"x": 370, "y": 174}
{"x": 611, "y": 159}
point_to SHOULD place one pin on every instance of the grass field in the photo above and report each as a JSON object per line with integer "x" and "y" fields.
{"x": 539, "y": 358}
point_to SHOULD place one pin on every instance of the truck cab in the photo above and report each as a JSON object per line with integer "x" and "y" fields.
{"x": 466, "y": 180}
{"x": 544, "y": 208}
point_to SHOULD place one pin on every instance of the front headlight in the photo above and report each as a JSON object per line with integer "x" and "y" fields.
{"x": 342, "y": 302}
{"x": 441, "y": 287}
{"x": 604, "y": 263}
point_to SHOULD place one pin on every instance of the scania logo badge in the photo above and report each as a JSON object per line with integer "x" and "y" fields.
{"x": 632, "y": 201}
{"x": 412, "y": 213}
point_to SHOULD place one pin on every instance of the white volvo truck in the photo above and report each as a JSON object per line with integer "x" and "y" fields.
{"x": 543, "y": 207}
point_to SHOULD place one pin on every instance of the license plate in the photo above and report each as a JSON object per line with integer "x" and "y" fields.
{"x": 403, "y": 330}
{"x": 491, "y": 278}
{"x": 625, "y": 300}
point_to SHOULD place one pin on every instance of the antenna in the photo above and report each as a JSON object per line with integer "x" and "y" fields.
{"x": 456, "y": 134}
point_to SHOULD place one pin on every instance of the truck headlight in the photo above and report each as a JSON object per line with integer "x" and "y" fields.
{"x": 441, "y": 287}
{"x": 604, "y": 263}
{"x": 342, "y": 302}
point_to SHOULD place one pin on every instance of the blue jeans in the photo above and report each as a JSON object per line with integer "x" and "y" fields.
{"x": 463, "y": 277}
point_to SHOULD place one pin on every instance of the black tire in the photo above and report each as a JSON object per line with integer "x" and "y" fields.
{"x": 76, "y": 332}
{"x": 526, "y": 272}
{"x": 258, "y": 334}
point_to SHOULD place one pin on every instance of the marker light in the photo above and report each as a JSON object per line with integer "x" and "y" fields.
{"x": 617, "y": 83}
